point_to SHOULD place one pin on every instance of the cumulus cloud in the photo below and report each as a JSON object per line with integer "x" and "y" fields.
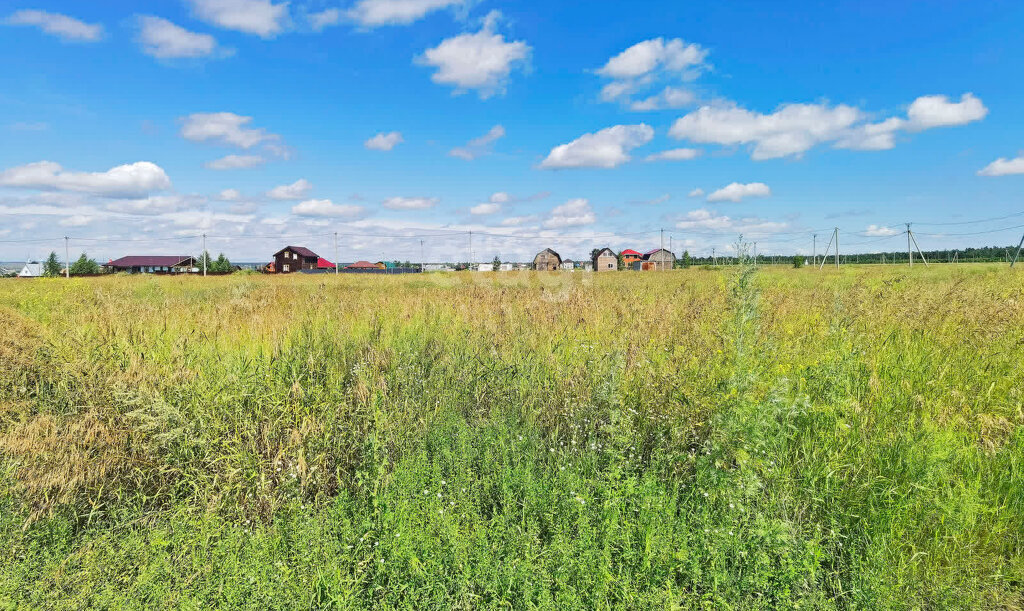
{"x": 793, "y": 129}
{"x": 937, "y": 111}
{"x": 880, "y": 230}
{"x": 130, "y": 179}
{"x": 372, "y": 13}
{"x": 156, "y": 204}
{"x": 681, "y": 154}
{"x": 1003, "y": 167}
{"x": 324, "y": 19}
{"x": 607, "y": 148}
{"x": 670, "y": 97}
{"x": 297, "y": 190}
{"x": 165, "y": 40}
{"x": 516, "y": 221}
{"x": 409, "y": 203}
{"x": 260, "y": 17}
{"x": 478, "y": 147}
{"x": 384, "y": 142}
{"x": 710, "y": 221}
{"x": 650, "y": 62}
{"x": 229, "y": 195}
{"x": 698, "y": 192}
{"x": 326, "y": 208}
{"x": 225, "y": 128}
{"x": 573, "y": 213}
{"x": 66, "y": 28}
{"x": 735, "y": 192}
{"x": 235, "y": 162}
{"x": 485, "y": 208}
{"x": 480, "y": 61}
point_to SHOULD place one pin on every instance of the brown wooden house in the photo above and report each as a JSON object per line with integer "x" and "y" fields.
{"x": 547, "y": 260}
{"x": 658, "y": 259}
{"x": 605, "y": 260}
{"x": 295, "y": 258}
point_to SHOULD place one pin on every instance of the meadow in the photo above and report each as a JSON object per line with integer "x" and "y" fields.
{"x": 701, "y": 438}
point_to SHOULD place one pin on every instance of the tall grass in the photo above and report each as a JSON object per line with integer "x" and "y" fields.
{"x": 683, "y": 439}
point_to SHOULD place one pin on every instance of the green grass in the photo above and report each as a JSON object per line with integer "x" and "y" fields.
{"x": 695, "y": 439}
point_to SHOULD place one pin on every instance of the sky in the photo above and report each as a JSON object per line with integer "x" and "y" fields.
{"x": 404, "y": 125}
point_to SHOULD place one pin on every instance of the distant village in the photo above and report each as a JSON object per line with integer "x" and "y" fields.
{"x": 299, "y": 259}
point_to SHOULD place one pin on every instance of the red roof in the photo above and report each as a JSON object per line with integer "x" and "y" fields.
{"x": 322, "y": 263}
{"x": 302, "y": 251}
{"x": 152, "y": 261}
{"x": 629, "y": 251}
{"x": 362, "y": 265}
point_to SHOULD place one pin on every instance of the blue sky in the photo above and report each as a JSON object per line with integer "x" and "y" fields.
{"x": 135, "y": 127}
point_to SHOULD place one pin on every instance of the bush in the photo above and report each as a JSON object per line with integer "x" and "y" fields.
{"x": 798, "y": 261}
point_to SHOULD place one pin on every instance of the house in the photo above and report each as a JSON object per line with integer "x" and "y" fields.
{"x": 605, "y": 260}
{"x": 484, "y": 267}
{"x": 507, "y": 267}
{"x": 547, "y": 260}
{"x": 658, "y": 259}
{"x": 295, "y": 258}
{"x": 630, "y": 256}
{"x": 154, "y": 264}
{"x": 32, "y": 269}
{"x": 568, "y": 265}
{"x": 358, "y": 265}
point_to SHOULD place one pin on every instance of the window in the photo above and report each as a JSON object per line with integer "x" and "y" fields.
{"x": 285, "y": 268}
{"x": 295, "y": 255}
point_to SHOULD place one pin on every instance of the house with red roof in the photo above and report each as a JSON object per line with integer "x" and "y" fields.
{"x": 629, "y": 256}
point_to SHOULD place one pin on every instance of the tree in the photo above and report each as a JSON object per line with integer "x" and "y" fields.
{"x": 496, "y": 264}
{"x": 84, "y": 266}
{"x": 798, "y": 261}
{"x": 686, "y": 259}
{"x": 221, "y": 266}
{"x": 622, "y": 264}
{"x": 52, "y": 268}
{"x": 204, "y": 258}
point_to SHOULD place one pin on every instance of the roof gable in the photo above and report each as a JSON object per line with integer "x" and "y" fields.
{"x": 302, "y": 251}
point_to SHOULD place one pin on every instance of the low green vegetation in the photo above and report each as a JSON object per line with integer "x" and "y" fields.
{"x": 701, "y": 438}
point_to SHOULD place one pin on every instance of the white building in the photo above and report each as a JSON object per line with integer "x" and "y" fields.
{"x": 31, "y": 270}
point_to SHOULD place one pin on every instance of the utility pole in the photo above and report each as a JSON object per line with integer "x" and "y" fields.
{"x": 670, "y": 243}
{"x": 662, "y": 239}
{"x": 67, "y": 259}
{"x": 335, "y": 253}
{"x": 1017, "y": 254}
{"x": 204, "y": 255}
{"x": 714, "y": 261}
{"x": 910, "y": 253}
{"x": 470, "y": 247}
{"x": 423, "y": 261}
{"x": 814, "y": 248}
{"x": 824, "y": 257}
{"x": 755, "y": 253}
{"x": 837, "y": 247}
{"x": 910, "y": 236}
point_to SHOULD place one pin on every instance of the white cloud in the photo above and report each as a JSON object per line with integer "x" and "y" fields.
{"x": 224, "y": 128}
{"x": 607, "y": 148}
{"x": 76, "y": 220}
{"x": 297, "y": 190}
{"x": 260, "y": 17}
{"x": 66, "y": 28}
{"x": 409, "y": 203}
{"x": 698, "y": 192}
{"x": 384, "y": 142}
{"x": 681, "y": 154}
{"x": 1003, "y": 167}
{"x": 644, "y": 57}
{"x": 573, "y": 213}
{"x": 790, "y": 130}
{"x": 708, "y": 220}
{"x": 500, "y": 197}
{"x": 124, "y": 180}
{"x": 165, "y": 40}
{"x": 480, "y": 61}
{"x": 486, "y": 208}
{"x": 515, "y": 221}
{"x": 670, "y": 97}
{"x": 735, "y": 192}
{"x": 324, "y": 19}
{"x": 325, "y": 208}
{"x": 793, "y": 129}
{"x": 235, "y": 162}
{"x": 880, "y": 230}
{"x": 371, "y": 13}
{"x": 647, "y": 63}
{"x": 229, "y": 195}
{"x": 478, "y": 147}
{"x": 937, "y": 111}
{"x": 156, "y": 204}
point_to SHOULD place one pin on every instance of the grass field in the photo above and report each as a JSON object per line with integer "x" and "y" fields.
{"x": 698, "y": 438}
